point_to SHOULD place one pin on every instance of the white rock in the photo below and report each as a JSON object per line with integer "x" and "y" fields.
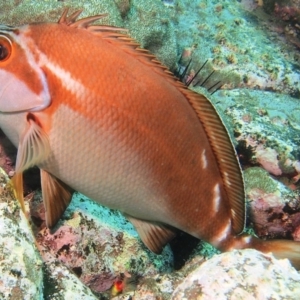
{"x": 61, "y": 283}
{"x": 21, "y": 274}
{"x": 241, "y": 274}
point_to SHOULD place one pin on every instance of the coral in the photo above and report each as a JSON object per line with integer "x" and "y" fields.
{"x": 288, "y": 14}
{"x": 257, "y": 178}
{"x": 249, "y": 5}
{"x": 228, "y": 40}
{"x": 150, "y": 24}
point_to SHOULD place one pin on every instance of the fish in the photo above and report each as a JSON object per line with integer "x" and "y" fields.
{"x": 100, "y": 115}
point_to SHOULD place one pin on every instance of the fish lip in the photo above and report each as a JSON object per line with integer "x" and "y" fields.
{"x": 34, "y": 109}
{"x": 37, "y": 108}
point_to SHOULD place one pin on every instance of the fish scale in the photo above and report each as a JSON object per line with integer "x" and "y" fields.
{"x": 99, "y": 115}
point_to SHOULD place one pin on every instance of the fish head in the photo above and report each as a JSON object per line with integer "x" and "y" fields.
{"x": 23, "y": 85}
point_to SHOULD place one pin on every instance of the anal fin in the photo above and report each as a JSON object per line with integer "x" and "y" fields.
{"x": 56, "y": 196}
{"x": 154, "y": 235}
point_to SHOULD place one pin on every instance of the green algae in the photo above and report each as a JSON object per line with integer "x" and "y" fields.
{"x": 260, "y": 179}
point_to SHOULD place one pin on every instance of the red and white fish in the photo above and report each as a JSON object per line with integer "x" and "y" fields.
{"x": 99, "y": 115}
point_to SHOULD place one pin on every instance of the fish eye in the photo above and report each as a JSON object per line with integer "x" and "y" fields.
{"x": 5, "y": 48}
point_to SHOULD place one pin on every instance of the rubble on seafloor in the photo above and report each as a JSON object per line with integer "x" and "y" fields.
{"x": 236, "y": 273}
{"x": 239, "y": 273}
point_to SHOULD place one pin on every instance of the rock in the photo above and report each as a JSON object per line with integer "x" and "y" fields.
{"x": 241, "y": 274}
{"x": 91, "y": 248}
{"x": 244, "y": 49}
{"x": 274, "y": 209}
{"x": 267, "y": 158}
{"x": 161, "y": 286}
{"x": 123, "y": 6}
{"x": 98, "y": 244}
{"x": 148, "y": 21}
{"x": 265, "y": 128}
{"x": 61, "y": 283}
{"x": 21, "y": 276}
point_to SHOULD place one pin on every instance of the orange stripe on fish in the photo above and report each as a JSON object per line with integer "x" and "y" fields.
{"x": 98, "y": 114}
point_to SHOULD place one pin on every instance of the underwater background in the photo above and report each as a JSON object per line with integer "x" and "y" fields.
{"x": 249, "y": 55}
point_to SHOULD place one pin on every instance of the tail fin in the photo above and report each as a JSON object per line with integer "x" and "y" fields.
{"x": 279, "y": 248}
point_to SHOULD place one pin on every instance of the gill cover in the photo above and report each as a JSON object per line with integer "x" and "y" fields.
{"x": 23, "y": 85}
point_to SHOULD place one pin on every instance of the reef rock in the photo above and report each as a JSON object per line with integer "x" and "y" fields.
{"x": 21, "y": 275}
{"x": 241, "y": 274}
{"x": 96, "y": 243}
{"x": 61, "y": 283}
{"x": 274, "y": 209}
{"x": 265, "y": 127}
{"x": 148, "y": 21}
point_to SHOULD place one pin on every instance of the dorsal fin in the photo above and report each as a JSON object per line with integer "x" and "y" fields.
{"x": 117, "y": 36}
{"x": 215, "y": 130}
{"x": 85, "y": 22}
{"x": 67, "y": 20}
{"x": 225, "y": 154}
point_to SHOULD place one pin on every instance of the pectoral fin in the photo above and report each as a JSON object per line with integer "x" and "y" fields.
{"x": 154, "y": 236}
{"x": 56, "y": 196}
{"x": 34, "y": 146}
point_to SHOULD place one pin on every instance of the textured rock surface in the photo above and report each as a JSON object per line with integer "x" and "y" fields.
{"x": 61, "y": 283}
{"x": 265, "y": 127}
{"x": 245, "y": 48}
{"x": 149, "y": 22}
{"x": 21, "y": 275}
{"x": 97, "y": 244}
{"x": 273, "y": 208}
{"x": 246, "y": 274}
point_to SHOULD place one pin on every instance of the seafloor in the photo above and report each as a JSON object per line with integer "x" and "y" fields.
{"x": 253, "y": 47}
